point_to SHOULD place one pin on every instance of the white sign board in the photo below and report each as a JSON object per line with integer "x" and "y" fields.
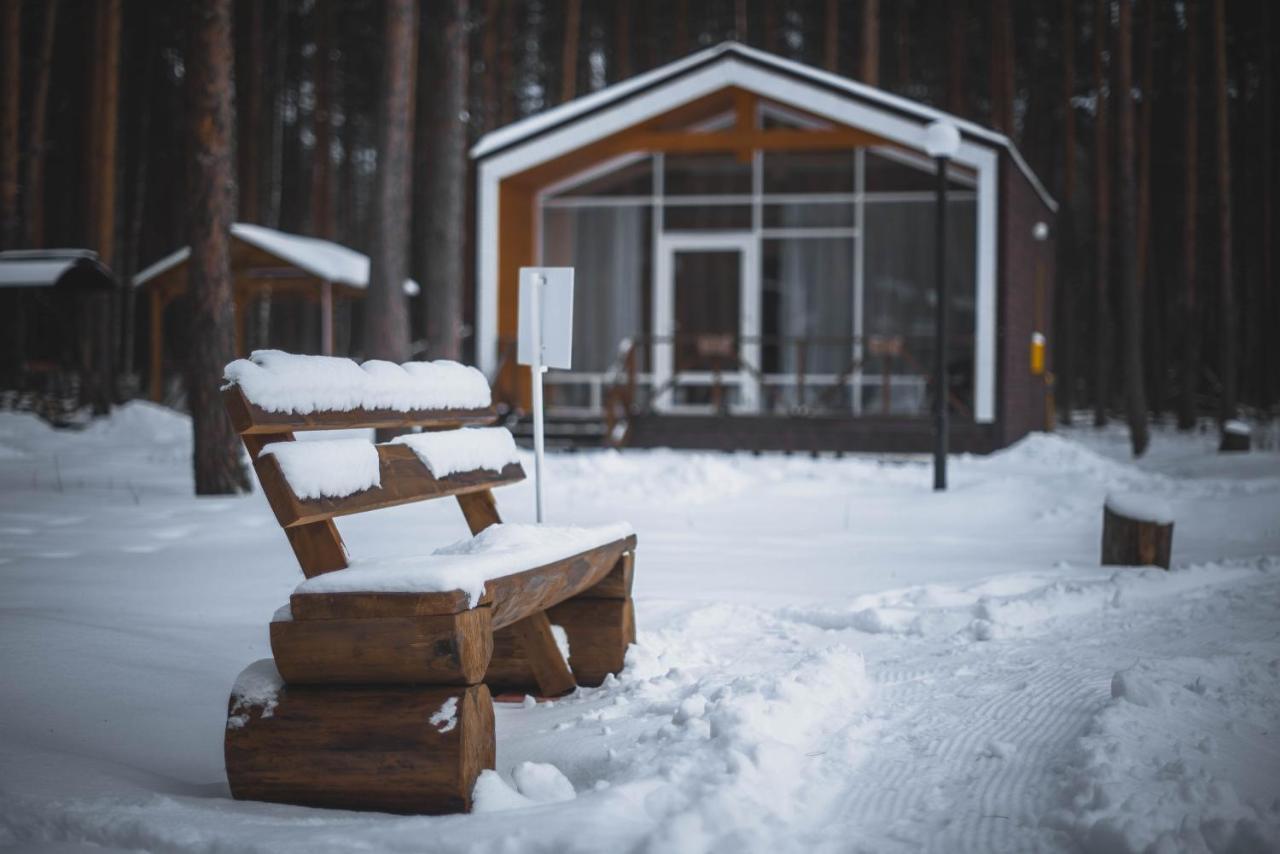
{"x": 553, "y": 289}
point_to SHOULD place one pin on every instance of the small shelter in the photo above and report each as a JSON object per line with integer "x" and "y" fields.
{"x": 53, "y": 355}
{"x": 264, "y": 263}
{"x": 753, "y": 241}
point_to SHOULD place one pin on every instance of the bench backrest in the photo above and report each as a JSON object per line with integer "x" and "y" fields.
{"x": 273, "y": 395}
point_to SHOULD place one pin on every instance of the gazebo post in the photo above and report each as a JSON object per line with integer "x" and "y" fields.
{"x": 157, "y": 345}
{"x": 238, "y": 300}
{"x": 326, "y": 318}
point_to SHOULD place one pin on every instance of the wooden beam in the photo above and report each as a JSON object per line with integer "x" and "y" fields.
{"x": 480, "y": 509}
{"x": 390, "y": 748}
{"x": 326, "y": 319}
{"x": 549, "y": 667}
{"x": 404, "y": 478}
{"x": 157, "y": 344}
{"x": 448, "y": 649}
{"x": 780, "y": 139}
{"x": 511, "y": 597}
{"x": 248, "y": 418}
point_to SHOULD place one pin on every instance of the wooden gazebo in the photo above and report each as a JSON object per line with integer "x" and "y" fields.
{"x": 263, "y": 262}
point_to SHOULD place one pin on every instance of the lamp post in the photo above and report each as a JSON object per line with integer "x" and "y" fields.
{"x": 941, "y": 141}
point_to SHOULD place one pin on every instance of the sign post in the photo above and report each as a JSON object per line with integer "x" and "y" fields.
{"x": 545, "y": 341}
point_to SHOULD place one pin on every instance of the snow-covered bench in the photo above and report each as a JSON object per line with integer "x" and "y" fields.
{"x": 385, "y": 637}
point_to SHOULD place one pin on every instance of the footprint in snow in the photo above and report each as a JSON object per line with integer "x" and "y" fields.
{"x": 171, "y": 533}
{"x": 141, "y": 550}
{"x": 57, "y": 555}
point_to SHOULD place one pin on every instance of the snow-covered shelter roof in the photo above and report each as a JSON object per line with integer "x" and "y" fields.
{"x": 323, "y": 259}
{"x": 47, "y": 268}
{"x": 733, "y": 57}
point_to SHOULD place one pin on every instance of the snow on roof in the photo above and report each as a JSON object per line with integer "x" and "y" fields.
{"x": 323, "y": 259}
{"x": 45, "y": 268}
{"x": 518, "y": 132}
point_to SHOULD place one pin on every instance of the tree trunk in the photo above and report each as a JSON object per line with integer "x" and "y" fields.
{"x": 1271, "y": 353}
{"x": 569, "y": 61}
{"x": 1067, "y": 280}
{"x": 446, "y": 221}
{"x": 682, "y": 28}
{"x": 622, "y": 40}
{"x": 1135, "y": 393}
{"x": 1144, "y": 145}
{"x": 386, "y": 316}
{"x": 740, "y": 30}
{"x": 493, "y": 82}
{"x": 10, "y": 104}
{"x": 869, "y": 61}
{"x": 1102, "y": 223}
{"x": 104, "y": 136}
{"x": 323, "y": 220}
{"x": 1191, "y": 315}
{"x": 957, "y": 18}
{"x": 39, "y": 129}
{"x": 831, "y": 42}
{"x": 1002, "y": 67}
{"x": 249, "y": 139}
{"x": 216, "y": 452}
{"x": 1227, "y": 294}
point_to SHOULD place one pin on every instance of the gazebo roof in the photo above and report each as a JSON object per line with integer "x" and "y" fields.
{"x": 322, "y": 259}
{"x": 76, "y": 269}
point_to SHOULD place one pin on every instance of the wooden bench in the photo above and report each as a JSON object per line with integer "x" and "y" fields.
{"x": 380, "y": 692}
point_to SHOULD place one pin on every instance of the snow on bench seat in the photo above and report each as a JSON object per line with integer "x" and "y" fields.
{"x": 499, "y": 550}
{"x": 449, "y": 451}
{"x": 327, "y": 468}
{"x": 276, "y": 381}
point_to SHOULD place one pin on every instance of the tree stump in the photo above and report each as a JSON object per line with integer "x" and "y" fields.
{"x": 1136, "y": 531}
{"x": 1236, "y": 436}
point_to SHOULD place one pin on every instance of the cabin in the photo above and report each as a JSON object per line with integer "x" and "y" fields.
{"x": 53, "y": 356}
{"x": 292, "y": 292}
{"x": 754, "y": 246}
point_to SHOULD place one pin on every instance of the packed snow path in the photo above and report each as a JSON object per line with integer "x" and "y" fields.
{"x": 830, "y": 657}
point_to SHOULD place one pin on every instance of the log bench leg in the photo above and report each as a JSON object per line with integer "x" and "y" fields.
{"x": 600, "y": 623}
{"x": 386, "y": 748}
{"x": 599, "y": 630}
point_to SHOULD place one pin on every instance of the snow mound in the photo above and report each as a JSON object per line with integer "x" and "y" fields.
{"x": 470, "y": 449}
{"x": 466, "y": 565}
{"x": 286, "y": 382}
{"x": 327, "y": 468}
{"x": 1151, "y": 771}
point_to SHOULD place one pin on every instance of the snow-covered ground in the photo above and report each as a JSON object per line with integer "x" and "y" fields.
{"x": 830, "y": 658}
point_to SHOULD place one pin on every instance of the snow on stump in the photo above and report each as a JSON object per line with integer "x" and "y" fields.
{"x": 1236, "y": 436}
{"x": 1137, "y": 530}
{"x": 390, "y": 748}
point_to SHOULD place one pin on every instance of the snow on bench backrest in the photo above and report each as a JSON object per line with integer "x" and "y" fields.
{"x": 315, "y": 480}
{"x": 273, "y": 391}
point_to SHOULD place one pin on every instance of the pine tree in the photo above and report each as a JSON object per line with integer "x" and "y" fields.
{"x": 211, "y": 121}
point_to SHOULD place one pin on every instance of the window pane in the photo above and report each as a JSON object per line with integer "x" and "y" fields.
{"x": 633, "y": 179}
{"x": 812, "y": 215}
{"x": 807, "y": 289}
{"x": 610, "y": 249}
{"x": 706, "y": 175}
{"x": 898, "y": 320}
{"x": 707, "y": 217}
{"x": 808, "y": 171}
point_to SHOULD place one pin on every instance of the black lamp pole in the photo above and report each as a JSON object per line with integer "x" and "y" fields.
{"x": 942, "y": 386}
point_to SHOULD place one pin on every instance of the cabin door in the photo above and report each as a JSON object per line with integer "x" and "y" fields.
{"x": 707, "y": 323}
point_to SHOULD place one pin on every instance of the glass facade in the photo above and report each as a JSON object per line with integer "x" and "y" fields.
{"x": 834, "y": 310}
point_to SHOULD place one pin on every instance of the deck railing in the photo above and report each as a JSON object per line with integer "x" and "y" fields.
{"x": 800, "y": 376}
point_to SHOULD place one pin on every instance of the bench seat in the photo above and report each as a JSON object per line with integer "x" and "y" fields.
{"x": 474, "y": 567}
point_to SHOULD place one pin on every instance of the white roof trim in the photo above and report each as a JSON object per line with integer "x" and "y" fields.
{"x": 517, "y": 132}
{"x": 324, "y": 259}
